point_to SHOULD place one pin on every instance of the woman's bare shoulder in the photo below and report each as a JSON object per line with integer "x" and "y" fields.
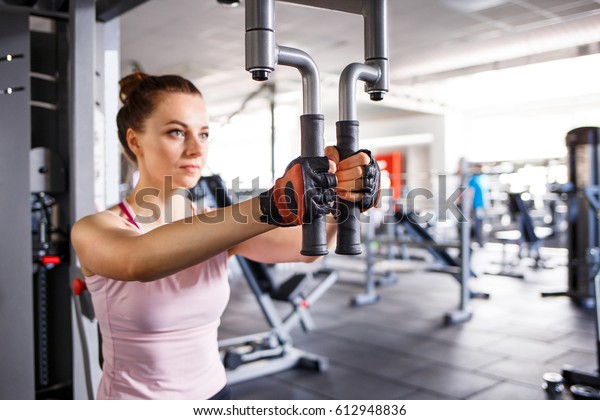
{"x": 110, "y": 218}
{"x": 99, "y": 230}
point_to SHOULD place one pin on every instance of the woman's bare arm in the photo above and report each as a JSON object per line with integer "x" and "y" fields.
{"x": 281, "y": 245}
{"x": 106, "y": 249}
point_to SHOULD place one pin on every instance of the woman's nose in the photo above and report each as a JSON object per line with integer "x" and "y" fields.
{"x": 195, "y": 145}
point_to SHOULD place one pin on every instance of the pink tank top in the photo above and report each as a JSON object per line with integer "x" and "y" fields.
{"x": 160, "y": 337}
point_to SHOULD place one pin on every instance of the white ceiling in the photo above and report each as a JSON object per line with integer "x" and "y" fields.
{"x": 428, "y": 40}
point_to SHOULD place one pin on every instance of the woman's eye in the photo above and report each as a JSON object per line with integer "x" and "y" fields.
{"x": 177, "y": 133}
{"x": 204, "y": 136}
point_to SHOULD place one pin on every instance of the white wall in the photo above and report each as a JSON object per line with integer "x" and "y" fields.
{"x": 529, "y": 133}
{"x": 520, "y": 113}
{"x": 242, "y": 148}
{"x": 424, "y": 155}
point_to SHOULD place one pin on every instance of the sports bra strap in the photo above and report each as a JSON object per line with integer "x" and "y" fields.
{"x": 128, "y": 214}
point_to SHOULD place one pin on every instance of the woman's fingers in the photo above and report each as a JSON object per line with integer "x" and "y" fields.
{"x": 358, "y": 159}
{"x": 332, "y": 167}
{"x": 331, "y": 152}
{"x": 354, "y": 161}
{"x": 358, "y": 180}
{"x": 349, "y": 174}
{"x": 349, "y": 195}
{"x": 350, "y": 190}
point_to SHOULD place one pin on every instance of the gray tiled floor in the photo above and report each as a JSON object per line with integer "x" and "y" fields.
{"x": 399, "y": 348}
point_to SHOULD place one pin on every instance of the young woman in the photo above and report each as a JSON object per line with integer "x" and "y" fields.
{"x": 157, "y": 271}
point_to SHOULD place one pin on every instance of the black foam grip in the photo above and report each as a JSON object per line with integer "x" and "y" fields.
{"x": 311, "y": 135}
{"x": 314, "y": 235}
{"x": 348, "y": 213}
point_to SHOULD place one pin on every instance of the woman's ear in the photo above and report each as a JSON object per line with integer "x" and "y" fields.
{"x": 134, "y": 143}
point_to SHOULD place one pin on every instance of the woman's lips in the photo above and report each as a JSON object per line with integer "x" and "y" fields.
{"x": 190, "y": 168}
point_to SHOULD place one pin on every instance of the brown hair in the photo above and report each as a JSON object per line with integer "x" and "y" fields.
{"x": 140, "y": 94}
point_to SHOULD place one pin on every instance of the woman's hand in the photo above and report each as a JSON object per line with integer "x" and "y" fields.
{"x": 357, "y": 177}
{"x": 304, "y": 193}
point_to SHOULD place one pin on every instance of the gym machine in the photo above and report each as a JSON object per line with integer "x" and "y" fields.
{"x": 583, "y": 193}
{"x": 50, "y": 163}
{"x": 528, "y": 237}
{"x": 256, "y": 355}
{"x": 402, "y": 228}
{"x": 373, "y": 278}
{"x": 49, "y": 250}
{"x": 459, "y": 268}
{"x": 420, "y": 236}
{"x": 463, "y": 314}
{"x": 85, "y": 318}
{"x": 263, "y": 55}
{"x": 582, "y": 384}
{"x": 373, "y": 281}
{"x": 583, "y": 146}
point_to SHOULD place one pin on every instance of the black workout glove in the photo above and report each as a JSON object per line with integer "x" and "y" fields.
{"x": 370, "y": 183}
{"x": 304, "y": 193}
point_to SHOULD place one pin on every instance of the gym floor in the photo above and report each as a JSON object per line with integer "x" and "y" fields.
{"x": 398, "y": 348}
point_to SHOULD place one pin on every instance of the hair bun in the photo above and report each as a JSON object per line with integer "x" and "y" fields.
{"x": 129, "y": 83}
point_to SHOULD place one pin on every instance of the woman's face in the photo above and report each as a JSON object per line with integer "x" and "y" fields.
{"x": 174, "y": 142}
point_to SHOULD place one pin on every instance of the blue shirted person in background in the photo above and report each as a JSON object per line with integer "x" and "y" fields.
{"x": 479, "y": 188}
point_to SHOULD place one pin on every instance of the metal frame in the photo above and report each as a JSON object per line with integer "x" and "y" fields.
{"x": 16, "y": 288}
{"x": 374, "y": 280}
{"x": 463, "y": 313}
{"x": 571, "y": 374}
{"x": 263, "y": 55}
{"x": 110, "y": 9}
{"x": 81, "y": 137}
{"x": 374, "y": 72}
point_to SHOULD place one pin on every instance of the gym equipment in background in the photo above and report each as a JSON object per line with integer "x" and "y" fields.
{"x": 402, "y": 230}
{"x": 84, "y": 313}
{"x": 255, "y": 355}
{"x": 458, "y": 268}
{"x": 407, "y": 220}
{"x": 586, "y": 385}
{"x": 583, "y": 385}
{"x": 50, "y": 250}
{"x": 528, "y": 237}
{"x": 583, "y": 146}
{"x": 584, "y": 246}
{"x": 374, "y": 278}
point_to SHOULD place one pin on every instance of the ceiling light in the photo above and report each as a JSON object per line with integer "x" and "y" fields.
{"x": 229, "y": 3}
{"x": 470, "y": 6}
